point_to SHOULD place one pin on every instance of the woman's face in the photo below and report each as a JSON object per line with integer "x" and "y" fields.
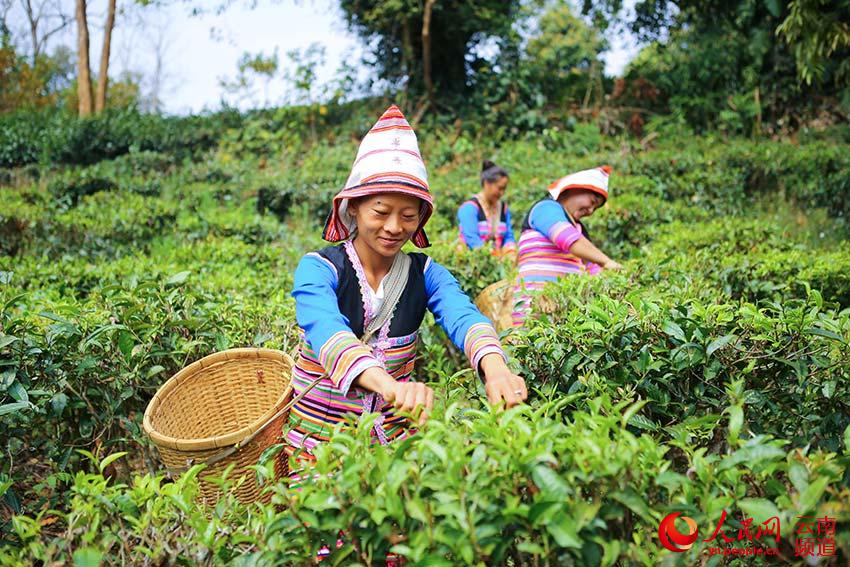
{"x": 580, "y": 203}
{"x": 495, "y": 190}
{"x": 386, "y": 221}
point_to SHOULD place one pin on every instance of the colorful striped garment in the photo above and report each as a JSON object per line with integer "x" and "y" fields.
{"x": 329, "y": 289}
{"x": 548, "y": 233}
{"x": 476, "y": 231}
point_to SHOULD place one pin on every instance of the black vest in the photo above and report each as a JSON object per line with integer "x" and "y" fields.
{"x": 411, "y": 307}
{"x": 503, "y": 217}
{"x": 526, "y": 225}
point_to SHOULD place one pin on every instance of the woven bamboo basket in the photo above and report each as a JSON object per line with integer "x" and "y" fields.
{"x": 215, "y": 403}
{"x": 496, "y": 302}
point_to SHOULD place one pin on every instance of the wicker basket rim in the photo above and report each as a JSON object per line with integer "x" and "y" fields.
{"x": 218, "y": 441}
{"x": 496, "y": 285}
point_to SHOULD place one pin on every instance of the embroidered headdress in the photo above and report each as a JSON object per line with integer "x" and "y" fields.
{"x": 595, "y": 180}
{"x": 388, "y": 161}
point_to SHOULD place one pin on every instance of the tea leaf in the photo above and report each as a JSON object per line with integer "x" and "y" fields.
{"x": 178, "y": 278}
{"x": 719, "y": 343}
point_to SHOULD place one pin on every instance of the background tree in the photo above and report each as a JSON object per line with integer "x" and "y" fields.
{"x": 103, "y": 75}
{"x": 302, "y": 77}
{"x": 23, "y": 85}
{"x": 818, "y": 32}
{"x": 84, "y": 91}
{"x": 44, "y": 19}
{"x": 564, "y": 55}
{"x": 252, "y": 66}
{"x": 5, "y": 33}
{"x": 84, "y": 86}
{"x": 720, "y": 62}
{"x": 433, "y": 54}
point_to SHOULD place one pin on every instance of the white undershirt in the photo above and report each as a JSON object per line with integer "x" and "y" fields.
{"x": 376, "y": 298}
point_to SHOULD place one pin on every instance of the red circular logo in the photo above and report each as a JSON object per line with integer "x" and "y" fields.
{"x": 674, "y": 540}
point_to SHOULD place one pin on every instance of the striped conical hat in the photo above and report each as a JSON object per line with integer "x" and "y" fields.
{"x": 595, "y": 180}
{"x": 388, "y": 161}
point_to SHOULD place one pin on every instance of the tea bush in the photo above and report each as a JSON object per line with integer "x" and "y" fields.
{"x": 83, "y": 369}
{"x": 526, "y": 486}
{"x": 756, "y": 260}
{"x": 474, "y": 269}
{"x": 711, "y": 374}
{"x": 676, "y": 352}
{"x": 54, "y": 137}
{"x": 728, "y": 175}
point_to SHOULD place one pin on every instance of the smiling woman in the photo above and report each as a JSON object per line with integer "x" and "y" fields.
{"x": 485, "y": 220}
{"x": 384, "y": 223}
{"x": 554, "y": 242}
{"x": 360, "y": 304}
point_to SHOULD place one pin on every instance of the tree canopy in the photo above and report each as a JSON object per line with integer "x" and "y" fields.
{"x": 398, "y": 48}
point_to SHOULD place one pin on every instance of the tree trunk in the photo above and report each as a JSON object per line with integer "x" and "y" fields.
{"x": 35, "y": 16}
{"x": 407, "y": 53}
{"x": 83, "y": 70}
{"x": 426, "y": 50}
{"x": 5, "y": 7}
{"x": 33, "y": 21}
{"x": 103, "y": 77}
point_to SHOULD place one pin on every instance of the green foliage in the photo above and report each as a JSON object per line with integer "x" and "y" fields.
{"x": 82, "y": 367}
{"x": 249, "y": 66}
{"x": 818, "y": 33}
{"x": 72, "y": 188}
{"x": 734, "y": 65}
{"x": 527, "y": 486}
{"x": 54, "y": 137}
{"x": 677, "y": 347}
{"x": 21, "y": 137}
{"x": 698, "y": 72}
{"x": 565, "y": 56}
{"x": 507, "y": 97}
{"x": 28, "y": 84}
{"x": 474, "y": 269}
{"x": 711, "y": 374}
{"x": 393, "y": 34}
{"x": 731, "y": 178}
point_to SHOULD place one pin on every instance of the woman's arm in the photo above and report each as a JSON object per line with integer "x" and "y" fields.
{"x": 586, "y": 250}
{"x": 405, "y": 396}
{"x": 549, "y": 218}
{"x": 467, "y": 218}
{"x": 471, "y": 331}
{"x": 509, "y": 244}
{"x": 326, "y": 329}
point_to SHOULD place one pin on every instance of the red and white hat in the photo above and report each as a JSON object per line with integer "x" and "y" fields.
{"x": 388, "y": 161}
{"x": 595, "y": 180}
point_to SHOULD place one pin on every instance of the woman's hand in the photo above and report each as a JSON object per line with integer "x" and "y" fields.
{"x": 407, "y": 396}
{"x": 404, "y": 396}
{"x": 612, "y": 265}
{"x": 500, "y": 383}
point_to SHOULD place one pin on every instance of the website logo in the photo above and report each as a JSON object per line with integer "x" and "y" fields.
{"x": 815, "y": 536}
{"x": 672, "y": 538}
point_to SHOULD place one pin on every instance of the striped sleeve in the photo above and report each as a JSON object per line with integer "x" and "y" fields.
{"x": 326, "y": 329}
{"x": 481, "y": 339}
{"x": 467, "y": 328}
{"x": 344, "y": 358}
{"x": 549, "y": 218}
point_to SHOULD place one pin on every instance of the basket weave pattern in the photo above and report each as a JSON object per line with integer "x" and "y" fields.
{"x": 217, "y": 402}
{"x": 496, "y": 302}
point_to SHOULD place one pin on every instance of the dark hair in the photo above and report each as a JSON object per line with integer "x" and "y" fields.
{"x": 491, "y": 172}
